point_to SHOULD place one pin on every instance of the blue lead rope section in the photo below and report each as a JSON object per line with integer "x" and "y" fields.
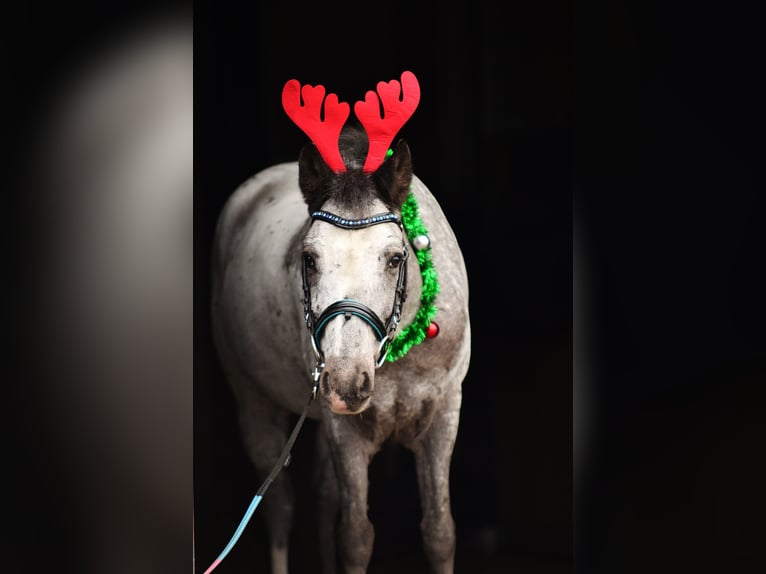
{"x": 281, "y": 463}
{"x": 238, "y": 532}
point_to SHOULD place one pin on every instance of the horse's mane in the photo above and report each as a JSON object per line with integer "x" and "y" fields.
{"x": 353, "y": 145}
{"x": 352, "y": 190}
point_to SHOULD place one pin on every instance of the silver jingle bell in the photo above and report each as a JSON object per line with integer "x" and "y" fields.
{"x": 421, "y": 242}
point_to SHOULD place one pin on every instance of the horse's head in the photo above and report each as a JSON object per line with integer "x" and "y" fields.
{"x": 354, "y": 265}
{"x": 355, "y": 251}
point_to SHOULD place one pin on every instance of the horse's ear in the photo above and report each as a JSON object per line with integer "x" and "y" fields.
{"x": 395, "y": 175}
{"x": 313, "y": 172}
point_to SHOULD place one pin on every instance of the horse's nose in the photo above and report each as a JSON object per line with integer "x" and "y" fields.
{"x": 346, "y": 385}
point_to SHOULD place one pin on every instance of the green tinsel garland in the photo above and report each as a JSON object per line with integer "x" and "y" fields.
{"x": 414, "y": 333}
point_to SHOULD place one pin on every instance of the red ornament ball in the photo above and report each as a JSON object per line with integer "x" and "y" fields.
{"x": 433, "y": 330}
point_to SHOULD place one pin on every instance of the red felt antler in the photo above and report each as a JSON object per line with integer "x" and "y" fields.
{"x": 396, "y": 112}
{"x": 324, "y": 133}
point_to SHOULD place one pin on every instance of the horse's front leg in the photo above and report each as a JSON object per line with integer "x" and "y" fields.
{"x": 433, "y": 453}
{"x": 328, "y": 505}
{"x": 351, "y": 454}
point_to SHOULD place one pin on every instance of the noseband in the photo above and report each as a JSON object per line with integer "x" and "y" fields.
{"x": 351, "y": 307}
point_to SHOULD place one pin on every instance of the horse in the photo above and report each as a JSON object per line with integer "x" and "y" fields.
{"x": 339, "y": 277}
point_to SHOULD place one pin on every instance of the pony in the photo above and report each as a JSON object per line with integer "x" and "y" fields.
{"x": 337, "y": 278}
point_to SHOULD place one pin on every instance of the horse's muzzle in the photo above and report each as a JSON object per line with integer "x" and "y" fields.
{"x": 345, "y": 386}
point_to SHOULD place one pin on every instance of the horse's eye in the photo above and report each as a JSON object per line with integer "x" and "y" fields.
{"x": 394, "y": 262}
{"x": 308, "y": 261}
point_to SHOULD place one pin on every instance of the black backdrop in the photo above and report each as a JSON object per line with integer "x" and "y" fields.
{"x": 491, "y": 138}
{"x": 670, "y": 351}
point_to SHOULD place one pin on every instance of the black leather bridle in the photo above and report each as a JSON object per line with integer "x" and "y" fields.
{"x": 383, "y": 330}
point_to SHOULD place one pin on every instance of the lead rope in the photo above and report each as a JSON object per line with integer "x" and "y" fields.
{"x": 282, "y": 462}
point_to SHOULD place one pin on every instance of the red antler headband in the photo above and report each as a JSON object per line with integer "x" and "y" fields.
{"x": 380, "y": 129}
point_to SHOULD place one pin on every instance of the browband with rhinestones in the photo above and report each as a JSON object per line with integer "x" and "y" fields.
{"x": 355, "y": 223}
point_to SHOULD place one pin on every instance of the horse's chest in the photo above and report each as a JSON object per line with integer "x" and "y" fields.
{"x": 402, "y": 418}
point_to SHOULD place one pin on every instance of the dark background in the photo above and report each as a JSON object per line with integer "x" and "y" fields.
{"x": 492, "y": 139}
{"x": 669, "y": 202}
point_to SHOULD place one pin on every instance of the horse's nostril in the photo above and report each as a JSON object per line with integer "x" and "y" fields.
{"x": 366, "y": 389}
